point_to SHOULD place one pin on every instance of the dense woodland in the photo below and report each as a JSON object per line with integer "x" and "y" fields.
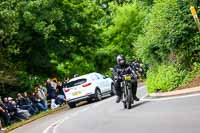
{"x": 60, "y": 38}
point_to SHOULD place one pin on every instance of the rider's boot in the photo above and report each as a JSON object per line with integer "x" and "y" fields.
{"x": 136, "y": 98}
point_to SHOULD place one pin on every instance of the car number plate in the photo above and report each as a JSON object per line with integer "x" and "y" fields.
{"x": 76, "y": 93}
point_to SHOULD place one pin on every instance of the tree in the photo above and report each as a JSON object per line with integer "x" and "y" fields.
{"x": 171, "y": 36}
{"x": 121, "y": 34}
{"x": 44, "y": 35}
{"x": 47, "y": 38}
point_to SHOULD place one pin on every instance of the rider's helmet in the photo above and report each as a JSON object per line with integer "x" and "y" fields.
{"x": 121, "y": 60}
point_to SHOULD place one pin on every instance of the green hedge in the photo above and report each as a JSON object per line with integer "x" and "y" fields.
{"x": 164, "y": 78}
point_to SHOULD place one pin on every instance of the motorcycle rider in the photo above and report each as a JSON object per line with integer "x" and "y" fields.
{"x": 121, "y": 69}
{"x": 137, "y": 67}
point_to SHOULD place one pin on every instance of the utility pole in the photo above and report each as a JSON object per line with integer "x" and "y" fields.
{"x": 196, "y": 19}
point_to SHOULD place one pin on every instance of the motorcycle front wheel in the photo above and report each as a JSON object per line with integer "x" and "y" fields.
{"x": 129, "y": 100}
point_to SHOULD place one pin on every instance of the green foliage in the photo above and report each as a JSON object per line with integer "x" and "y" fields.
{"x": 29, "y": 81}
{"x": 192, "y": 74}
{"x": 48, "y": 38}
{"x": 46, "y": 35}
{"x": 170, "y": 36}
{"x": 122, "y": 32}
{"x": 167, "y": 77}
{"x": 164, "y": 78}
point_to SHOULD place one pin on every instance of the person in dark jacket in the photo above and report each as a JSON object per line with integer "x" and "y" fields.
{"x": 51, "y": 91}
{"x": 121, "y": 69}
{"x": 25, "y": 104}
{"x": 29, "y": 102}
{"x": 15, "y": 113}
{"x": 60, "y": 89}
{"x": 37, "y": 103}
{"x": 4, "y": 113}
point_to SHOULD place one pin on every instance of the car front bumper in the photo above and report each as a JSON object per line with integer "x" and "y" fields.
{"x": 83, "y": 98}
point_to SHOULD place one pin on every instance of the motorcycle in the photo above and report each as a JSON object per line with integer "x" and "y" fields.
{"x": 139, "y": 70}
{"x": 127, "y": 94}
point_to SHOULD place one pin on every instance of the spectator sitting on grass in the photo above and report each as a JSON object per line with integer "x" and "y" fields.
{"x": 15, "y": 113}
{"x": 4, "y": 112}
{"x": 60, "y": 89}
{"x": 5, "y": 115}
{"x": 54, "y": 83}
{"x": 28, "y": 101}
{"x": 23, "y": 104}
{"x": 42, "y": 95}
{"x": 21, "y": 114}
{"x": 37, "y": 102}
{"x": 51, "y": 91}
{"x": 60, "y": 99}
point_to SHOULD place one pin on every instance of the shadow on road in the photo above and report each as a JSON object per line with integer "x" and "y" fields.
{"x": 139, "y": 104}
{"x": 83, "y": 103}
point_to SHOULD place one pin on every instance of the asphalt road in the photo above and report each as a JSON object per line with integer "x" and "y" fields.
{"x": 171, "y": 115}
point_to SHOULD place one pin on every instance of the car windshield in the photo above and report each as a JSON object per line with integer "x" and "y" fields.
{"x": 75, "y": 83}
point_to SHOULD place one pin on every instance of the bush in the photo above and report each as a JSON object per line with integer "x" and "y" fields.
{"x": 170, "y": 36}
{"x": 164, "y": 78}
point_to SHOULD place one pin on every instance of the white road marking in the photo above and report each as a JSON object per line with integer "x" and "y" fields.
{"x": 59, "y": 123}
{"x": 67, "y": 118}
{"x": 50, "y": 126}
{"x": 170, "y": 98}
{"x": 56, "y": 124}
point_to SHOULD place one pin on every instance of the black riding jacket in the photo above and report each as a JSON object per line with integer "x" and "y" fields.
{"x": 119, "y": 70}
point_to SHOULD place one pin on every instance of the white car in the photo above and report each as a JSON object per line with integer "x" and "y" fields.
{"x": 88, "y": 87}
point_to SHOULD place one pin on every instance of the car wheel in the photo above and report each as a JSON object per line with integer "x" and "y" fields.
{"x": 112, "y": 90}
{"x": 98, "y": 95}
{"x": 90, "y": 100}
{"x": 72, "y": 105}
